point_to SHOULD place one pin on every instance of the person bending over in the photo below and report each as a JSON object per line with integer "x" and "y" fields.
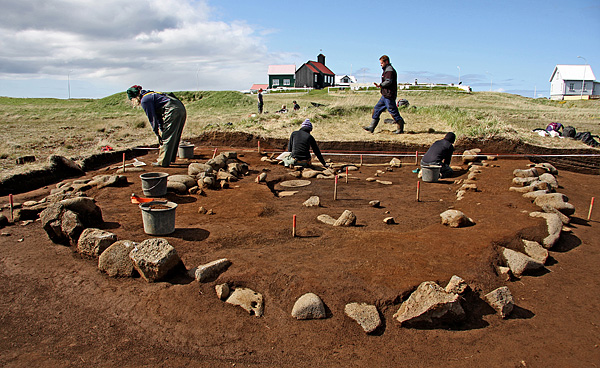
{"x": 300, "y": 144}
{"x": 440, "y": 154}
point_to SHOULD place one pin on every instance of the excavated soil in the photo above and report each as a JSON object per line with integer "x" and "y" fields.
{"x": 57, "y": 309}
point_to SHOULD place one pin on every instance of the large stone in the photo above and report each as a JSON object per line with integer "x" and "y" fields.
{"x": 313, "y": 201}
{"x": 524, "y": 181}
{"x": 102, "y": 181}
{"x": 547, "y": 167}
{"x": 347, "y": 218}
{"x": 554, "y": 224}
{"x": 535, "y": 251}
{"x": 115, "y": 261}
{"x": 520, "y": 263}
{"x": 154, "y": 258}
{"x": 196, "y": 168}
{"x": 526, "y": 173}
{"x": 564, "y": 218}
{"x": 188, "y": 180}
{"x": 92, "y": 242}
{"x": 556, "y": 200}
{"x": 455, "y": 218}
{"x": 64, "y": 167}
{"x": 534, "y": 194}
{"x": 71, "y": 226}
{"x": 395, "y": 162}
{"x": 430, "y": 306}
{"x": 222, "y": 291}
{"x": 326, "y": 219}
{"x": 365, "y": 315}
{"x": 3, "y": 221}
{"x": 211, "y": 270}
{"x": 176, "y": 187}
{"x": 309, "y": 306}
{"x": 501, "y": 300}
{"x": 219, "y": 162}
{"x": 550, "y": 179}
{"x": 87, "y": 209}
{"x": 309, "y": 173}
{"x": 249, "y": 300}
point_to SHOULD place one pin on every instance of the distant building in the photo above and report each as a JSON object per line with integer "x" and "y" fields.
{"x": 282, "y": 75}
{"x": 345, "y": 80}
{"x": 569, "y": 82}
{"x": 314, "y": 74}
{"x": 255, "y": 87}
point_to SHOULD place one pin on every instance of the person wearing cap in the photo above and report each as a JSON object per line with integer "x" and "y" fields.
{"x": 300, "y": 144}
{"x": 389, "y": 92}
{"x": 296, "y": 106}
{"x": 440, "y": 154}
{"x": 167, "y": 117}
{"x": 260, "y": 101}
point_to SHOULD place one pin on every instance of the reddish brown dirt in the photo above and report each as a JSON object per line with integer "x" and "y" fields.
{"x": 57, "y": 309}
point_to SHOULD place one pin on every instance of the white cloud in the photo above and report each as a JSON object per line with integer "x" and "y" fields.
{"x": 160, "y": 44}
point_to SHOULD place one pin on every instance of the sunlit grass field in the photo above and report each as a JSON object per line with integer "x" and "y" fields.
{"x": 80, "y": 127}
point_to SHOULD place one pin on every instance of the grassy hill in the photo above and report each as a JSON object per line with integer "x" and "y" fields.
{"x": 82, "y": 126}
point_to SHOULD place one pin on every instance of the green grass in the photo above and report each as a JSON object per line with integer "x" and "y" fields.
{"x": 82, "y": 126}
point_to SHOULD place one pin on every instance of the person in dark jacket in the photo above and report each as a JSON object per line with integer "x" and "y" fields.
{"x": 389, "y": 92}
{"x": 440, "y": 154}
{"x": 167, "y": 117}
{"x": 260, "y": 101}
{"x": 300, "y": 144}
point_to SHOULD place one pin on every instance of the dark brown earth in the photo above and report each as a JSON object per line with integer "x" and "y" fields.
{"x": 57, "y": 309}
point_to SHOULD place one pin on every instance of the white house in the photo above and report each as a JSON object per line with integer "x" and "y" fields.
{"x": 567, "y": 81}
{"x": 345, "y": 80}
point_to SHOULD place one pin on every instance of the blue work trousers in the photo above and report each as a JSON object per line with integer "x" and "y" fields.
{"x": 389, "y": 105}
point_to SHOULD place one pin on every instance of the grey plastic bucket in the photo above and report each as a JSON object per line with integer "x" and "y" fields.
{"x": 186, "y": 151}
{"x": 154, "y": 184}
{"x": 161, "y": 220}
{"x": 430, "y": 174}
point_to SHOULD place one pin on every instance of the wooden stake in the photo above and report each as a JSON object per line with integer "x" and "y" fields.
{"x": 294, "y": 226}
{"x": 346, "y": 174}
{"x": 123, "y": 161}
{"x": 416, "y": 157}
{"x": 418, "y": 191}
{"x": 591, "y": 208}
{"x": 215, "y": 152}
{"x": 361, "y": 160}
{"x": 11, "y": 204}
{"x": 335, "y": 188}
{"x": 258, "y": 142}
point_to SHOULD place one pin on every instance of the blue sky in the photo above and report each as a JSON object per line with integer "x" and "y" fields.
{"x": 93, "y": 49}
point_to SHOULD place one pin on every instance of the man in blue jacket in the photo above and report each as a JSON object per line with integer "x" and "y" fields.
{"x": 389, "y": 92}
{"x": 167, "y": 117}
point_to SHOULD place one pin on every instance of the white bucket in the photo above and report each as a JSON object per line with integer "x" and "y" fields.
{"x": 430, "y": 174}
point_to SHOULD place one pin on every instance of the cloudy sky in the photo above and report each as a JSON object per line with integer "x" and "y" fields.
{"x": 84, "y": 48}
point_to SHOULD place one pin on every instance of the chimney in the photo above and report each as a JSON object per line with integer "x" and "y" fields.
{"x": 321, "y": 59}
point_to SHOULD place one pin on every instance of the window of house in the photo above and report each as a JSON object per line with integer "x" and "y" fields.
{"x": 315, "y": 78}
{"x": 286, "y": 82}
{"x": 571, "y": 87}
{"x": 584, "y": 87}
{"x": 275, "y": 82}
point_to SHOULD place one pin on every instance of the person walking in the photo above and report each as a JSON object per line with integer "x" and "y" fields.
{"x": 167, "y": 117}
{"x": 389, "y": 92}
{"x": 300, "y": 143}
{"x": 440, "y": 154}
{"x": 260, "y": 101}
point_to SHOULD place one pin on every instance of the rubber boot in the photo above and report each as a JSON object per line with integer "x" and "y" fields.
{"x": 372, "y": 127}
{"x": 400, "y": 127}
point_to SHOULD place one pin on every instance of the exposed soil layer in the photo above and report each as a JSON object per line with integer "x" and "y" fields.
{"x": 57, "y": 309}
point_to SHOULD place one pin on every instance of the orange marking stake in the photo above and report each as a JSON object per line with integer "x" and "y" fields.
{"x": 11, "y": 205}
{"x": 335, "y": 188}
{"x": 215, "y": 152}
{"x": 360, "y": 160}
{"x": 294, "y": 226}
{"x": 258, "y": 142}
{"x": 591, "y": 208}
{"x": 123, "y": 161}
{"x": 416, "y": 157}
{"x": 418, "y": 191}
{"x": 346, "y": 174}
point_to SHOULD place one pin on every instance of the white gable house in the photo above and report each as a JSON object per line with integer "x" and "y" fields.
{"x": 569, "y": 82}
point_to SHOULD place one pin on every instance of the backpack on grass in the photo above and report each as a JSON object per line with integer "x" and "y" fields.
{"x": 569, "y": 132}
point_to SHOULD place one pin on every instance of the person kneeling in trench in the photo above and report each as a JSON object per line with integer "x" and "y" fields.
{"x": 440, "y": 154}
{"x": 300, "y": 143}
{"x": 167, "y": 117}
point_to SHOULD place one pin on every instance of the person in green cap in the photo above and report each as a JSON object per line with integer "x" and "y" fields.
{"x": 167, "y": 117}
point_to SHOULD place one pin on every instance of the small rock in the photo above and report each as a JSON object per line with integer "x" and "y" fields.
{"x": 504, "y": 272}
{"x": 370, "y": 179}
{"x": 389, "y": 220}
{"x": 519, "y": 263}
{"x": 313, "y": 201}
{"x": 154, "y": 258}
{"x": 501, "y": 300}
{"x": 326, "y": 219}
{"x": 222, "y": 291}
{"x": 249, "y": 300}
{"x": 365, "y": 315}
{"x": 286, "y": 193}
{"x": 211, "y": 270}
{"x": 309, "y": 306}
{"x": 535, "y": 251}
{"x": 115, "y": 261}
{"x": 430, "y": 305}
{"x": 347, "y": 218}
{"x": 456, "y": 285}
{"x": 309, "y": 173}
{"x": 384, "y": 182}
{"x": 455, "y": 218}
{"x": 395, "y": 162}
{"x": 92, "y": 242}
{"x": 202, "y": 210}
{"x": 375, "y": 203}
{"x": 261, "y": 178}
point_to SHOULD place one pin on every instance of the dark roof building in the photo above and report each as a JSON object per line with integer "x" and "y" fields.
{"x": 314, "y": 74}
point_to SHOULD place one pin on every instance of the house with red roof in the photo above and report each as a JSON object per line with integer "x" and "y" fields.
{"x": 314, "y": 74}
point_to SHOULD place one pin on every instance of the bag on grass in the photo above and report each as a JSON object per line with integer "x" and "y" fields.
{"x": 569, "y": 132}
